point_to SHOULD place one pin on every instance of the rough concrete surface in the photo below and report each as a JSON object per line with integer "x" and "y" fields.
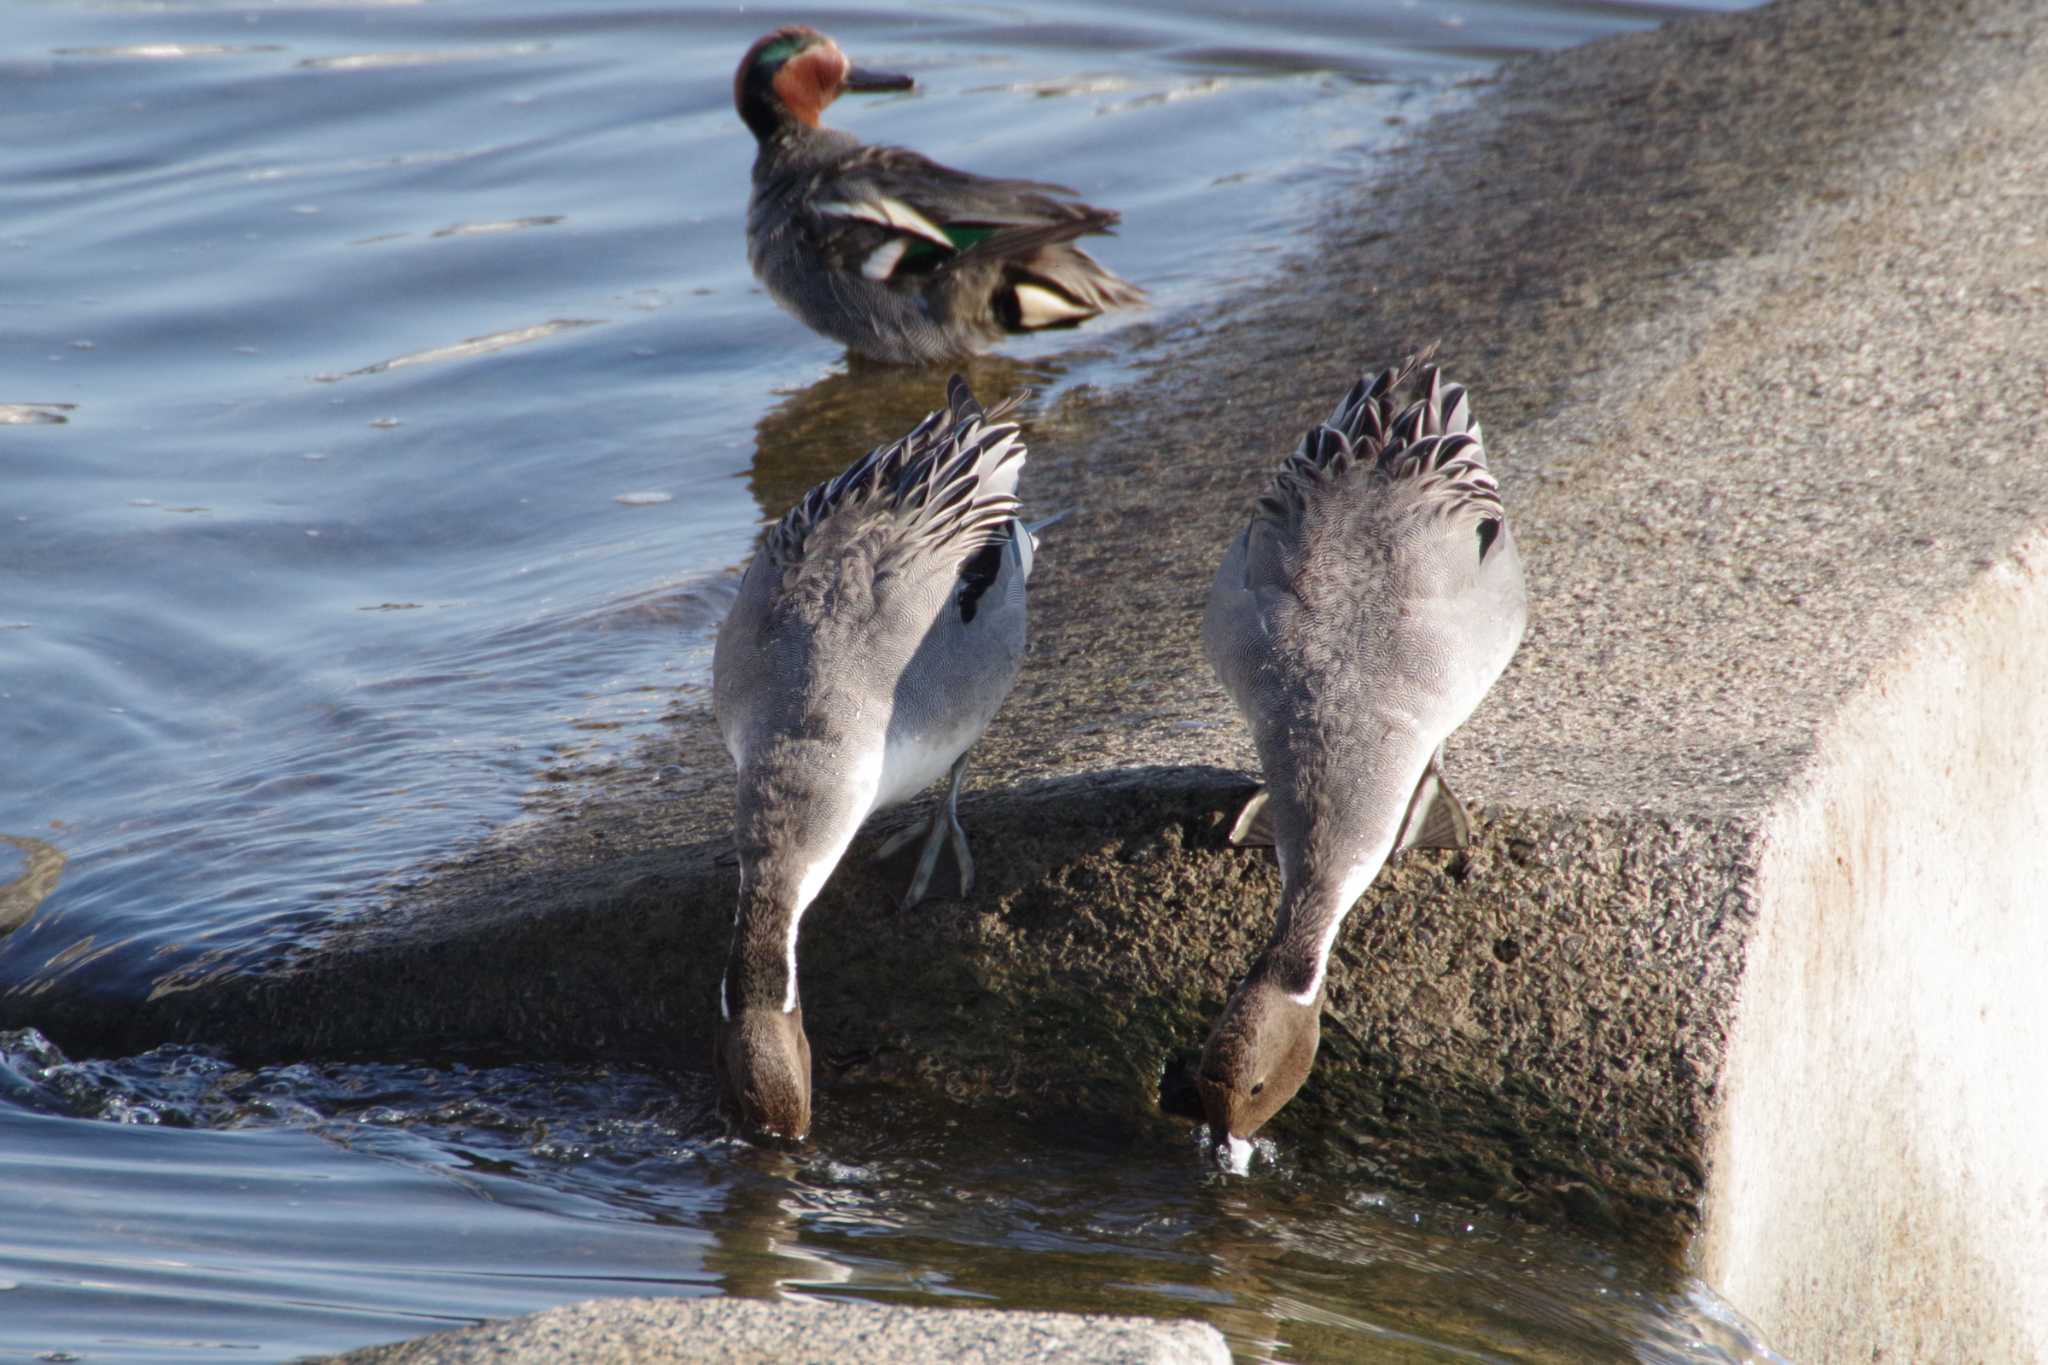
{"x": 792, "y": 1332}
{"x": 1753, "y": 310}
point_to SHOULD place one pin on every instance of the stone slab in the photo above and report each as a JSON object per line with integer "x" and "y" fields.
{"x": 803, "y": 1332}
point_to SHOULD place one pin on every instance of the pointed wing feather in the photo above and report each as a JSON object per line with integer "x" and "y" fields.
{"x": 889, "y": 213}
{"x": 948, "y": 485}
{"x": 861, "y": 483}
{"x": 1432, "y": 438}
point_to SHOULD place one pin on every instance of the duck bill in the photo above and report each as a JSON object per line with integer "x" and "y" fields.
{"x": 861, "y": 81}
{"x": 1231, "y": 1153}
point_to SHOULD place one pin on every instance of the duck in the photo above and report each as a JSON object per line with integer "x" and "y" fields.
{"x": 875, "y": 633}
{"x": 891, "y": 254}
{"x": 1370, "y": 602}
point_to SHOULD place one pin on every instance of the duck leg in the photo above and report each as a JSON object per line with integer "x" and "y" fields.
{"x": 945, "y": 822}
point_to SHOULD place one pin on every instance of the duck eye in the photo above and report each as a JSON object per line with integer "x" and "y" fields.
{"x": 1489, "y": 531}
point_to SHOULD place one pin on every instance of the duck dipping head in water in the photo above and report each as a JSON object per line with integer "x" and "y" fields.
{"x": 763, "y": 1062}
{"x": 1356, "y": 621}
{"x": 1256, "y": 1058}
{"x": 875, "y": 635}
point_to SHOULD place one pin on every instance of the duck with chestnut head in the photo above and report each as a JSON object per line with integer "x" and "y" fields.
{"x": 887, "y": 252}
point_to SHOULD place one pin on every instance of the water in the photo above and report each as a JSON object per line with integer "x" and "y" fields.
{"x": 383, "y": 402}
{"x": 314, "y": 1207}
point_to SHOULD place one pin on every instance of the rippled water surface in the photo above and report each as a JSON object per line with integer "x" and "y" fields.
{"x": 314, "y": 1207}
{"x": 383, "y": 401}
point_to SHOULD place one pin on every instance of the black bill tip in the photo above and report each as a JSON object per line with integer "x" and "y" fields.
{"x": 860, "y": 80}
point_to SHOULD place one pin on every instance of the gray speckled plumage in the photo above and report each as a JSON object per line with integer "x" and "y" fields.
{"x": 891, "y": 254}
{"x": 1360, "y": 617}
{"x": 875, "y": 633}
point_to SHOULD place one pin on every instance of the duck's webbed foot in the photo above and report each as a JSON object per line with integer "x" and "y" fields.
{"x": 943, "y": 830}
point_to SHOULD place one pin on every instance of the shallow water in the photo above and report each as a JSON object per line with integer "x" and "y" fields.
{"x": 313, "y": 1207}
{"x": 383, "y": 399}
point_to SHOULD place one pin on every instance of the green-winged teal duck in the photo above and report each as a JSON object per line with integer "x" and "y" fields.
{"x": 887, "y": 252}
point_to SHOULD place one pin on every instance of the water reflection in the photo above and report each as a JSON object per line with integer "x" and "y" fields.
{"x": 820, "y": 429}
{"x": 42, "y": 865}
{"x": 626, "y": 1176}
{"x": 757, "y": 1240}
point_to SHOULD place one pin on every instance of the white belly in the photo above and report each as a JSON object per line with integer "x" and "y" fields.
{"x": 910, "y": 763}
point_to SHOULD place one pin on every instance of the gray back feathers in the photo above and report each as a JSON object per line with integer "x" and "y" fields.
{"x": 1369, "y": 604}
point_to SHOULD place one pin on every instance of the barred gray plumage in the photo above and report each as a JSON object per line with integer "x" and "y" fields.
{"x": 874, "y": 636}
{"x": 1370, "y": 602}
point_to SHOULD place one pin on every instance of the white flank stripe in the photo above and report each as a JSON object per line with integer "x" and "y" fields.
{"x": 890, "y": 213}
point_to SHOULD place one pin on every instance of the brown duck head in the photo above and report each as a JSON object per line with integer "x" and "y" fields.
{"x": 1257, "y": 1056}
{"x": 763, "y": 1061}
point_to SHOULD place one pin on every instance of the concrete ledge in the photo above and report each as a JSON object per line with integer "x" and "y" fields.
{"x": 1753, "y": 310}
{"x": 1877, "y": 1163}
{"x": 1471, "y": 1049}
{"x": 790, "y": 1332}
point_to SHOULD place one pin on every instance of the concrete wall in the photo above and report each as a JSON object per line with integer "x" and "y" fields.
{"x": 1880, "y": 1190}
